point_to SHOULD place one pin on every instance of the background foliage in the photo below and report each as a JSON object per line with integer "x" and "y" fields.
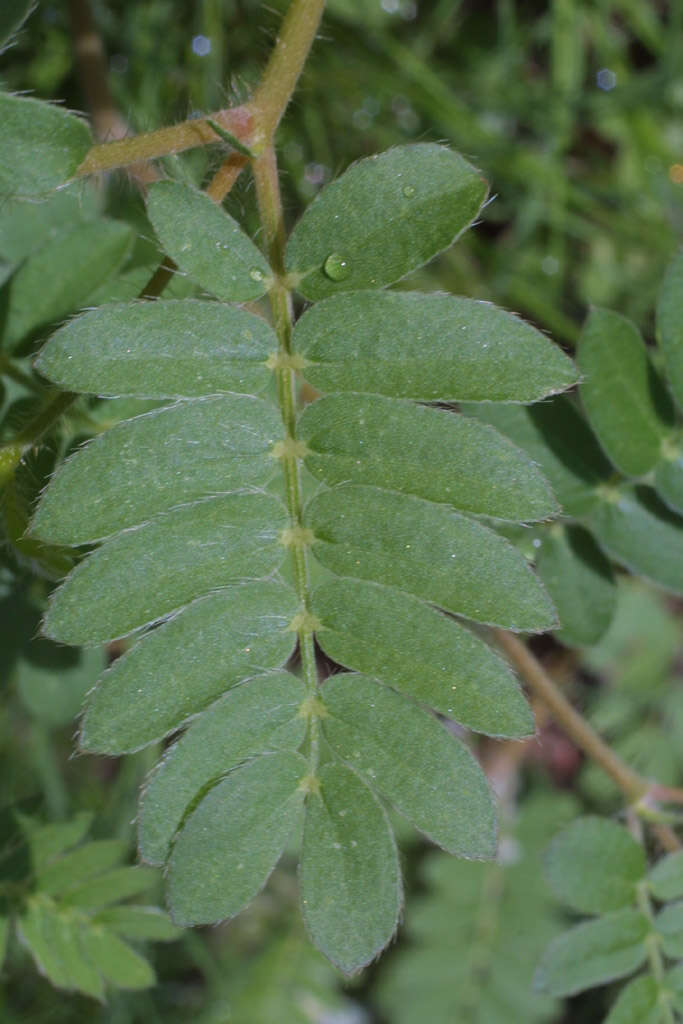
{"x": 573, "y": 111}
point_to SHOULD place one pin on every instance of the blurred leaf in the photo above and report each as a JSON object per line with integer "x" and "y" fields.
{"x": 670, "y": 325}
{"x": 666, "y": 877}
{"x": 42, "y": 145}
{"x": 638, "y": 1003}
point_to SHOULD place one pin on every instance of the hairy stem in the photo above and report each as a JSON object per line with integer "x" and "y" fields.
{"x": 632, "y": 785}
{"x": 270, "y": 208}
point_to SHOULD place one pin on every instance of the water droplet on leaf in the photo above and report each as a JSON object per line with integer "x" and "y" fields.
{"x": 336, "y": 267}
{"x": 255, "y": 274}
{"x": 409, "y": 191}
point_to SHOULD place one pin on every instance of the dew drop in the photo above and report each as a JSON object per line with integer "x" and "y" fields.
{"x": 255, "y": 274}
{"x": 336, "y": 267}
{"x": 408, "y": 191}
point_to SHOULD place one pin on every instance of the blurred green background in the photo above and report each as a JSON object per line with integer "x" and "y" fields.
{"x": 573, "y": 111}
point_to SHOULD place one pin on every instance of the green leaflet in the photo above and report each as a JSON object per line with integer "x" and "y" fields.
{"x": 669, "y": 475}
{"x": 432, "y": 453}
{"x": 670, "y": 325}
{"x": 163, "y": 458}
{"x": 674, "y": 982}
{"x": 118, "y": 963}
{"x": 669, "y": 925}
{"x": 640, "y": 532}
{"x": 140, "y": 923}
{"x": 171, "y": 349}
{"x": 69, "y": 871}
{"x": 261, "y": 715}
{"x": 556, "y": 436}
{"x": 406, "y": 754}
{"x": 383, "y": 217}
{"x": 594, "y": 953}
{"x": 428, "y": 550}
{"x": 165, "y": 564}
{"x": 594, "y": 866}
{"x": 637, "y": 1003}
{"x": 236, "y": 633}
{"x": 41, "y": 145}
{"x": 350, "y": 878}
{"x": 403, "y": 642}
{"x": 53, "y": 686}
{"x": 666, "y": 877}
{"x": 580, "y": 582}
{"x": 428, "y": 346}
{"x": 206, "y": 242}
{"x": 48, "y": 841}
{"x": 248, "y": 819}
{"x": 625, "y": 401}
{"x": 26, "y": 226}
{"x": 62, "y": 275}
{"x": 55, "y": 942}
{"x": 111, "y": 887}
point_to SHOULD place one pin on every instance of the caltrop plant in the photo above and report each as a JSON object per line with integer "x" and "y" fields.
{"x": 314, "y": 475}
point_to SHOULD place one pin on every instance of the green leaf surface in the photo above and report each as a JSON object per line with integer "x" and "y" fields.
{"x": 666, "y": 877}
{"x": 401, "y": 641}
{"x": 428, "y": 346}
{"x": 111, "y": 887}
{"x": 47, "y": 842}
{"x": 41, "y": 145}
{"x": 12, "y": 16}
{"x": 430, "y": 551}
{"x": 427, "y": 774}
{"x": 53, "y": 939}
{"x": 633, "y": 526}
{"x": 234, "y": 838}
{"x": 594, "y": 865}
{"x": 90, "y": 859}
{"x": 624, "y": 399}
{"x": 5, "y": 930}
{"x": 26, "y": 226}
{"x": 260, "y": 716}
{"x": 432, "y": 453}
{"x": 670, "y": 325}
{"x": 166, "y": 457}
{"x": 350, "y": 878}
{"x": 146, "y": 924}
{"x": 171, "y": 349}
{"x": 668, "y": 479}
{"x": 60, "y": 276}
{"x": 594, "y": 953}
{"x": 669, "y": 924}
{"x": 181, "y": 667}
{"x": 674, "y": 982}
{"x": 580, "y": 582}
{"x": 556, "y": 436}
{"x": 386, "y": 215}
{"x": 205, "y": 242}
{"x": 53, "y": 690}
{"x": 119, "y": 964}
{"x": 165, "y": 564}
{"x": 637, "y": 1003}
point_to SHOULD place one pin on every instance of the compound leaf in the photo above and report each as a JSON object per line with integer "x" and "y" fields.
{"x": 431, "y": 453}
{"x": 406, "y": 754}
{"x": 166, "y": 457}
{"x": 261, "y": 715}
{"x": 148, "y": 924}
{"x": 54, "y": 941}
{"x": 594, "y": 866}
{"x": 386, "y": 215}
{"x": 429, "y": 347}
{"x": 403, "y": 642}
{"x": 430, "y": 551}
{"x": 178, "y": 348}
{"x": 69, "y": 871}
{"x": 234, "y": 838}
{"x": 117, "y": 962}
{"x": 41, "y": 145}
{"x": 624, "y": 399}
{"x": 350, "y": 877}
{"x": 594, "y": 953}
{"x": 205, "y": 242}
{"x": 235, "y": 633}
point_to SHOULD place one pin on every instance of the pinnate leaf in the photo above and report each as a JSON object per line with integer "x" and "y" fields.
{"x": 234, "y": 838}
{"x": 172, "y": 349}
{"x": 414, "y": 648}
{"x": 349, "y": 874}
{"x": 406, "y": 754}
{"x": 429, "y": 347}
{"x": 594, "y": 953}
{"x": 386, "y": 215}
{"x": 626, "y": 403}
{"x": 206, "y": 242}
{"x": 594, "y": 866}
{"x": 432, "y": 453}
{"x": 261, "y": 715}
{"x": 41, "y": 145}
{"x": 139, "y": 923}
{"x": 430, "y": 551}
{"x": 235, "y": 633}
{"x": 119, "y": 964}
